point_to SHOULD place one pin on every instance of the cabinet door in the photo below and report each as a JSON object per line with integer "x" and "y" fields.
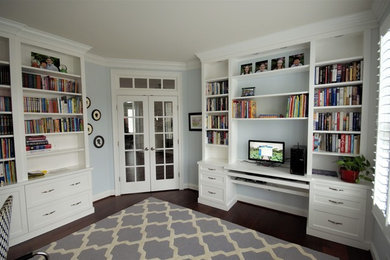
{"x": 18, "y": 219}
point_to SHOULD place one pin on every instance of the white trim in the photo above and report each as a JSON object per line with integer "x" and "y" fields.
{"x": 273, "y": 205}
{"x": 306, "y": 33}
{"x": 103, "y": 195}
{"x": 380, "y": 220}
{"x": 374, "y": 252}
{"x": 379, "y": 7}
{"x": 191, "y": 186}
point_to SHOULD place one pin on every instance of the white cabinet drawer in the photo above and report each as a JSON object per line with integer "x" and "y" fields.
{"x": 50, "y": 213}
{"x": 350, "y": 227}
{"x": 212, "y": 179}
{"x": 338, "y": 191}
{"x": 43, "y": 192}
{"x": 344, "y": 203}
{"x": 210, "y": 168}
{"x": 213, "y": 193}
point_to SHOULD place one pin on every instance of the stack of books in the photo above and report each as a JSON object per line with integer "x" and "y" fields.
{"x": 37, "y": 143}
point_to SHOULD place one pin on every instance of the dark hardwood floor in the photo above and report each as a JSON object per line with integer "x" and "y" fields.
{"x": 278, "y": 224}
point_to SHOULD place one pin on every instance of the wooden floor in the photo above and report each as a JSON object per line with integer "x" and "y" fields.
{"x": 278, "y": 224}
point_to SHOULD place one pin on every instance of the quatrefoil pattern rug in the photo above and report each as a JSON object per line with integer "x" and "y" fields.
{"x": 155, "y": 229}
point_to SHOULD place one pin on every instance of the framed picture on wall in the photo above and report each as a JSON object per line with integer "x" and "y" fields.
{"x": 195, "y": 121}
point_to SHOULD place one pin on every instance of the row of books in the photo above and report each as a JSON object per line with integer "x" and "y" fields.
{"x": 5, "y": 104}
{"x": 7, "y": 148}
{"x": 337, "y": 121}
{"x": 244, "y": 109}
{"x": 342, "y": 96}
{"x": 270, "y": 116}
{"x": 7, "y": 173}
{"x": 337, "y": 143}
{"x": 34, "y": 143}
{"x": 217, "y": 104}
{"x": 49, "y": 125}
{"x": 53, "y": 105}
{"x": 50, "y": 83}
{"x": 217, "y": 137}
{"x": 5, "y": 78}
{"x": 217, "y": 88}
{"x": 297, "y": 106}
{"x": 217, "y": 121}
{"x": 6, "y": 126}
{"x": 341, "y": 72}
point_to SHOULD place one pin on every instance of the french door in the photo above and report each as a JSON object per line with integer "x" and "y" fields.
{"x": 148, "y": 143}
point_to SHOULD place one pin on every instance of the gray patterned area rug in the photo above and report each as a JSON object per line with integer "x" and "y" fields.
{"x": 155, "y": 229}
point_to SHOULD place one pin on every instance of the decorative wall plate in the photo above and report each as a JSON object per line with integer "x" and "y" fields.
{"x": 96, "y": 115}
{"x": 98, "y": 141}
{"x": 90, "y": 129}
{"x": 88, "y": 101}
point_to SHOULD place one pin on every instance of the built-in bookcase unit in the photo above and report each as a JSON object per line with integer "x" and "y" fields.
{"x": 215, "y": 111}
{"x": 277, "y": 110}
{"x": 7, "y": 146}
{"x": 338, "y": 101}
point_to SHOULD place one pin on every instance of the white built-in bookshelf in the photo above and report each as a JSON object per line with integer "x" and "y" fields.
{"x": 42, "y": 122}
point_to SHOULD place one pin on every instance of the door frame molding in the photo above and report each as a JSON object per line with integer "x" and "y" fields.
{"x": 116, "y": 74}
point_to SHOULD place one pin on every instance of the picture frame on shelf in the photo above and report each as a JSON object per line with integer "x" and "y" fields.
{"x": 195, "y": 121}
{"x": 278, "y": 63}
{"x": 246, "y": 69}
{"x": 43, "y": 61}
{"x": 296, "y": 60}
{"x": 261, "y": 66}
{"x": 248, "y": 92}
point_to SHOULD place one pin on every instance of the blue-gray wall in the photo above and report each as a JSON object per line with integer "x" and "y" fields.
{"x": 98, "y": 89}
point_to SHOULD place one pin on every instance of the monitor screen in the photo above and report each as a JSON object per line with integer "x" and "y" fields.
{"x": 268, "y": 151}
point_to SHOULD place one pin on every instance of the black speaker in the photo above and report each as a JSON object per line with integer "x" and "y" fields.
{"x": 298, "y": 160}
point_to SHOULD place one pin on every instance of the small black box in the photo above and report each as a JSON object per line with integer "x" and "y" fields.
{"x": 298, "y": 160}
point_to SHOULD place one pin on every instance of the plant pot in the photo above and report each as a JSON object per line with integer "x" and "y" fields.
{"x": 348, "y": 175}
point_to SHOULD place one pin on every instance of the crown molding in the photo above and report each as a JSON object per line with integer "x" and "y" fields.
{"x": 193, "y": 64}
{"x": 306, "y": 33}
{"x": 36, "y": 37}
{"x": 380, "y": 9}
{"x": 139, "y": 64}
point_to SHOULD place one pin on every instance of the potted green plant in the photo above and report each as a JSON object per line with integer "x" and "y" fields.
{"x": 352, "y": 169}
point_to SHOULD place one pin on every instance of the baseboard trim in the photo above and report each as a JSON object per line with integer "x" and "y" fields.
{"x": 374, "y": 252}
{"x": 273, "y": 205}
{"x": 190, "y": 186}
{"x": 103, "y": 195}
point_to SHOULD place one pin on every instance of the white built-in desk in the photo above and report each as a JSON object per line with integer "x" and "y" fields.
{"x": 336, "y": 210}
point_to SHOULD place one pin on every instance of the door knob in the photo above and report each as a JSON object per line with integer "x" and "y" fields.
{"x": 146, "y": 149}
{"x": 152, "y": 148}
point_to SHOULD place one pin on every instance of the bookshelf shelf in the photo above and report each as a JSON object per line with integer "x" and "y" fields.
{"x": 339, "y": 84}
{"x": 337, "y": 132}
{"x": 216, "y": 129}
{"x": 219, "y": 95}
{"x": 334, "y": 154}
{"x": 217, "y": 112}
{"x": 5, "y": 112}
{"x": 57, "y": 93}
{"x": 272, "y": 95}
{"x": 338, "y": 107}
{"x": 342, "y": 60}
{"x": 7, "y": 159}
{"x": 42, "y": 153}
{"x": 5, "y": 86}
{"x": 55, "y": 74}
{"x": 52, "y": 114}
{"x": 3, "y": 62}
{"x": 272, "y": 73}
{"x": 270, "y": 119}
{"x": 216, "y": 79}
{"x": 6, "y": 136}
{"x": 218, "y": 145}
{"x": 61, "y": 133}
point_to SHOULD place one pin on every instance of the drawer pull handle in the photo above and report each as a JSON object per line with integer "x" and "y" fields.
{"x": 48, "y": 191}
{"x": 336, "y": 202}
{"x": 48, "y": 214}
{"x": 335, "y": 189}
{"x": 211, "y": 169}
{"x": 75, "y": 204}
{"x": 75, "y": 184}
{"x": 211, "y": 178}
{"x": 334, "y": 222}
{"x": 212, "y": 193}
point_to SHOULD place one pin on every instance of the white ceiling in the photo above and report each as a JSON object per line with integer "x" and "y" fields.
{"x": 169, "y": 30}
